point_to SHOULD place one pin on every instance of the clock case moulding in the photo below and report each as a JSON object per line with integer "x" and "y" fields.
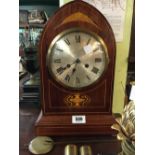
{"x": 55, "y": 118}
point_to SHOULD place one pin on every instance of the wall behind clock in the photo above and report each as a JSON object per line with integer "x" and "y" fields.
{"x": 122, "y": 55}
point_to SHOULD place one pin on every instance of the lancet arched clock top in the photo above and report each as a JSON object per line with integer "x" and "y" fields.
{"x": 77, "y": 61}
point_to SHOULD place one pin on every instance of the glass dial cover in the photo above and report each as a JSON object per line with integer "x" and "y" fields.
{"x": 77, "y": 58}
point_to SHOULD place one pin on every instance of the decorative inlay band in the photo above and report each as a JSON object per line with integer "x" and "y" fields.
{"x": 77, "y": 100}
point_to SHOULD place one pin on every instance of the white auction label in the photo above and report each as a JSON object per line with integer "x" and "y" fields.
{"x": 88, "y": 49}
{"x": 78, "y": 119}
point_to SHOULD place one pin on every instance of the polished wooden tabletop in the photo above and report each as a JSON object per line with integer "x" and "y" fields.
{"x": 105, "y": 145}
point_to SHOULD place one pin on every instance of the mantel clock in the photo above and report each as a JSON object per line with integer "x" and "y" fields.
{"x": 77, "y": 58}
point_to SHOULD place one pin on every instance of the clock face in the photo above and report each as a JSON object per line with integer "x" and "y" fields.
{"x": 77, "y": 58}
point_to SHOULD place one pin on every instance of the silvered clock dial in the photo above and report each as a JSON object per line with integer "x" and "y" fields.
{"x": 77, "y": 58}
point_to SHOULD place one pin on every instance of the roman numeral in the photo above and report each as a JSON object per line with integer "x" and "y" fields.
{"x": 67, "y": 78}
{"x": 67, "y": 41}
{"x": 88, "y": 41}
{"x": 98, "y": 60}
{"x": 60, "y": 70}
{"x": 58, "y": 49}
{"x": 77, "y": 38}
{"x": 77, "y": 80}
{"x": 96, "y": 49}
{"x": 95, "y": 70}
{"x": 88, "y": 77}
{"x": 57, "y": 60}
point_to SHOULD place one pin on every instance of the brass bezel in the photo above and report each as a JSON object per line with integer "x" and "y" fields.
{"x": 70, "y": 30}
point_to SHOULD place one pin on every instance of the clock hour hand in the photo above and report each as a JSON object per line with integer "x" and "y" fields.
{"x": 76, "y": 61}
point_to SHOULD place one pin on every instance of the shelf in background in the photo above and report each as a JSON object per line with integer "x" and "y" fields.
{"x": 40, "y": 2}
{"x": 32, "y": 26}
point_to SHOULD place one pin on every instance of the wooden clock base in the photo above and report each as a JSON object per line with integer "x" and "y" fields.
{"x": 60, "y": 126}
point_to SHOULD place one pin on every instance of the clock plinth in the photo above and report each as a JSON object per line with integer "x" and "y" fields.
{"x": 77, "y": 61}
{"x": 62, "y": 125}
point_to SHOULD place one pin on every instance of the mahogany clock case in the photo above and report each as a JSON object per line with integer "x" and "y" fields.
{"x": 56, "y": 115}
